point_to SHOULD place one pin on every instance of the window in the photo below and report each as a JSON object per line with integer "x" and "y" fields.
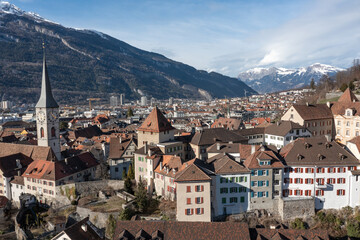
{"x": 242, "y": 199}
{"x": 298, "y": 170}
{"x": 242, "y": 189}
{"x": 223, "y": 190}
{"x": 309, "y": 181}
{"x": 298, "y": 180}
{"x": 188, "y": 200}
{"x": 116, "y": 169}
{"x": 223, "y": 200}
{"x": 331, "y": 170}
{"x": 51, "y": 184}
{"x": 320, "y": 181}
{"x": 341, "y": 170}
{"x": 189, "y": 211}
{"x": 319, "y": 192}
{"x": 44, "y": 182}
{"x": 199, "y": 188}
{"x": 331, "y": 181}
{"x": 347, "y": 132}
{"x": 276, "y": 171}
{"x": 188, "y": 188}
{"x": 199, "y": 200}
{"x": 307, "y": 192}
{"x": 53, "y": 132}
{"x": 309, "y": 170}
{"x": 34, "y": 188}
{"x": 340, "y": 192}
{"x": 298, "y": 192}
{"x": 341, "y": 180}
{"x": 348, "y": 124}
{"x": 199, "y": 211}
{"x": 233, "y": 200}
{"x": 233, "y": 190}
{"x": 42, "y": 132}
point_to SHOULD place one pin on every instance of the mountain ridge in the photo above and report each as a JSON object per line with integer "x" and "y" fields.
{"x": 275, "y": 79}
{"x": 88, "y": 61}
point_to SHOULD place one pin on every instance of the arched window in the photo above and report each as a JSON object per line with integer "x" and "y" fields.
{"x": 53, "y": 132}
{"x": 42, "y": 132}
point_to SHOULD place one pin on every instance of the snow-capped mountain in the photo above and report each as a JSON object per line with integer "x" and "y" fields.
{"x": 277, "y": 79}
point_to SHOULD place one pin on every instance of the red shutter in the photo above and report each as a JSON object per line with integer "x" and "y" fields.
{"x": 185, "y": 212}
{"x": 312, "y": 181}
{"x": 301, "y": 181}
{"x": 329, "y": 170}
{"x": 301, "y": 192}
{"x": 301, "y": 170}
{"x": 323, "y": 170}
{"x": 202, "y": 210}
{"x": 202, "y": 188}
{"x": 291, "y": 180}
{"x": 338, "y": 180}
{"x": 344, "y": 169}
{"x": 338, "y": 170}
{"x": 306, "y": 170}
{"x": 355, "y": 168}
{"x": 192, "y": 211}
{"x": 349, "y": 168}
{"x": 309, "y": 191}
{"x": 188, "y": 201}
{"x": 312, "y": 170}
{"x": 290, "y": 192}
{"x": 328, "y": 181}
{"x": 338, "y": 192}
{"x": 317, "y": 170}
{"x": 296, "y": 170}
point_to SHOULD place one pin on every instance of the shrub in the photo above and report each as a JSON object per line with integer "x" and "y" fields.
{"x": 353, "y": 229}
{"x": 73, "y": 202}
{"x": 298, "y": 224}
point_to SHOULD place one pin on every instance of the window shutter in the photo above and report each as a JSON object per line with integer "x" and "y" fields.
{"x": 296, "y": 170}
{"x": 328, "y": 181}
{"x": 202, "y": 188}
{"x": 344, "y": 169}
{"x": 252, "y": 194}
{"x": 291, "y": 180}
{"x": 329, "y": 170}
{"x": 338, "y": 180}
{"x": 267, "y": 194}
{"x": 339, "y": 170}
{"x": 267, "y": 183}
{"x": 312, "y": 170}
{"x": 301, "y": 180}
{"x": 192, "y": 211}
{"x": 267, "y": 172}
{"x": 323, "y": 170}
{"x": 290, "y": 192}
{"x": 349, "y": 168}
{"x": 337, "y": 192}
{"x": 284, "y": 193}
{"x": 301, "y": 192}
{"x": 202, "y": 200}
{"x": 306, "y": 170}
{"x": 312, "y": 181}
{"x": 301, "y": 170}
{"x": 202, "y": 210}
{"x": 186, "y": 212}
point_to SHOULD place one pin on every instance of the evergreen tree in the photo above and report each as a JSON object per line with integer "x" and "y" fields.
{"x": 128, "y": 185}
{"x": 126, "y": 214}
{"x": 141, "y": 195}
{"x": 312, "y": 84}
{"x": 129, "y": 112}
{"x": 124, "y": 174}
{"x": 110, "y": 228}
{"x": 131, "y": 173}
{"x": 351, "y": 85}
{"x": 343, "y": 87}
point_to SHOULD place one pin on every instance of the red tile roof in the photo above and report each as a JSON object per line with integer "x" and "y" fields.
{"x": 155, "y": 122}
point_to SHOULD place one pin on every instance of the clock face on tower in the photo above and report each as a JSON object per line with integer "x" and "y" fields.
{"x": 53, "y": 116}
{"x": 41, "y": 116}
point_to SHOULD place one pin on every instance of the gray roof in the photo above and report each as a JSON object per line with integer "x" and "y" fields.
{"x": 46, "y": 98}
{"x": 281, "y": 128}
{"x": 212, "y": 135}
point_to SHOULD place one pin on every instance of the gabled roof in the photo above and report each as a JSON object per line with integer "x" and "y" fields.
{"x": 250, "y": 131}
{"x": 155, "y": 122}
{"x": 316, "y": 151}
{"x": 169, "y": 164}
{"x": 46, "y": 97}
{"x": 83, "y": 230}
{"x": 287, "y": 234}
{"x": 313, "y": 111}
{"x": 223, "y": 163}
{"x": 264, "y": 153}
{"x": 243, "y": 149}
{"x": 9, "y": 166}
{"x": 184, "y": 230}
{"x": 348, "y": 96}
{"x": 192, "y": 173}
{"x": 228, "y": 123}
{"x": 42, "y": 169}
{"x": 213, "y": 135}
{"x": 281, "y": 128}
{"x": 32, "y": 151}
{"x": 117, "y": 149}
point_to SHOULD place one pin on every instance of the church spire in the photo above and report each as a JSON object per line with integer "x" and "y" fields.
{"x": 46, "y": 98}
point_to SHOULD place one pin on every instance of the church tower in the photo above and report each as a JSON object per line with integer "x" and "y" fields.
{"x": 47, "y": 116}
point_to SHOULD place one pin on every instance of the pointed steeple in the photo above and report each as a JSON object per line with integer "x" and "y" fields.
{"x": 46, "y": 98}
{"x": 348, "y": 96}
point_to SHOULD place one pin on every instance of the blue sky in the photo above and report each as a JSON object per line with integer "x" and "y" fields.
{"x": 224, "y": 36}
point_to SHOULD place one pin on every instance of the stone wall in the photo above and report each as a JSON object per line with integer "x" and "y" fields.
{"x": 291, "y": 208}
{"x": 99, "y": 219}
{"x": 90, "y": 187}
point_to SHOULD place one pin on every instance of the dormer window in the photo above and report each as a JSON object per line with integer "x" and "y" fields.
{"x": 349, "y": 112}
{"x": 264, "y": 162}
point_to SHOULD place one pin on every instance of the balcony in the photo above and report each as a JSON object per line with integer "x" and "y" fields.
{"x": 317, "y": 185}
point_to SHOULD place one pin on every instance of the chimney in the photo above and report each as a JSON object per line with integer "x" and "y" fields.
{"x": 328, "y": 104}
{"x": 18, "y": 164}
{"x": 145, "y": 148}
{"x": 174, "y": 171}
{"x": 218, "y": 146}
{"x": 19, "y": 173}
{"x": 252, "y": 149}
{"x": 307, "y": 103}
{"x": 120, "y": 139}
{"x": 278, "y": 123}
{"x": 66, "y": 161}
{"x": 84, "y": 227}
{"x": 167, "y": 170}
{"x": 149, "y": 152}
{"x": 161, "y": 166}
{"x": 231, "y": 142}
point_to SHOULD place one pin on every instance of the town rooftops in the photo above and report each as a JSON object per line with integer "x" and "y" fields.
{"x": 228, "y": 123}
{"x": 181, "y": 230}
{"x": 281, "y": 128}
{"x": 313, "y": 111}
{"x": 244, "y": 150}
{"x": 317, "y": 151}
{"x": 42, "y": 169}
{"x": 155, "y": 122}
{"x": 347, "y": 96}
{"x": 19, "y": 180}
{"x": 32, "y": 151}
{"x": 213, "y": 135}
{"x": 169, "y": 165}
{"x": 250, "y": 131}
{"x": 285, "y": 234}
